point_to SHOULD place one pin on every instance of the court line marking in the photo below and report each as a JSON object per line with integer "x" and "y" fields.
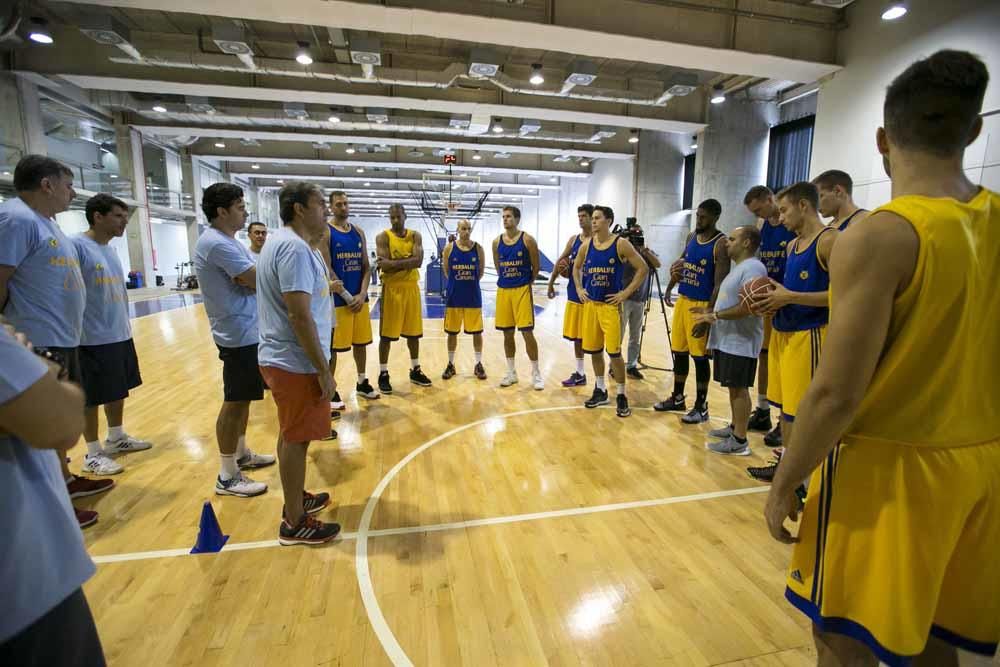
{"x": 393, "y": 650}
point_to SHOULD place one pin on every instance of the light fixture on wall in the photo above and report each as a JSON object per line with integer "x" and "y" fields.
{"x": 633, "y": 136}
{"x": 38, "y": 31}
{"x": 536, "y": 75}
{"x": 302, "y": 55}
{"x": 718, "y": 94}
{"x": 894, "y": 10}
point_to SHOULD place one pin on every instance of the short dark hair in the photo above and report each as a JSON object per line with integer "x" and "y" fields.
{"x": 606, "y": 211}
{"x": 256, "y": 222}
{"x": 752, "y": 234}
{"x": 711, "y": 206}
{"x": 515, "y": 211}
{"x": 933, "y": 105}
{"x": 295, "y": 192}
{"x": 801, "y": 190}
{"x": 832, "y": 178}
{"x": 587, "y": 208}
{"x": 335, "y": 194}
{"x": 32, "y": 169}
{"x": 102, "y": 203}
{"x": 219, "y": 195}
{"x": 755, "y": 193}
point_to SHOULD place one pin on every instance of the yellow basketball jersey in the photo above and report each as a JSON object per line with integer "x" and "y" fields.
{"x": 400, "y": 248}
{"x": 938, "y": 382}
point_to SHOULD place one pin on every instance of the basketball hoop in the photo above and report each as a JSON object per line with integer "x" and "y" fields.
{"x": 452, "y": 207}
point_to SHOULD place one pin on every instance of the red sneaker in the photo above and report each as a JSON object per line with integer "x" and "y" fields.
{"x": 85, "y": 517}
{"x": 80, "y": 487}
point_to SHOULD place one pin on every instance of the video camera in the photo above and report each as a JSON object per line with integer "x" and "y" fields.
{"x": 632, "y": 232}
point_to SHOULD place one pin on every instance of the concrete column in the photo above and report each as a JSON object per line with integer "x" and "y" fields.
{"x": 191, "y": 185}
{"x": 660, "y": 186}
{"x": 139, "y": 233}
{"x": 612, "y": 183}
{"x": 732, "y": 156}
{"x": 21, "y": 126}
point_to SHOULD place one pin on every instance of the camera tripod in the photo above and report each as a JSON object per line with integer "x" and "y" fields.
{"x": 653, "y": 276}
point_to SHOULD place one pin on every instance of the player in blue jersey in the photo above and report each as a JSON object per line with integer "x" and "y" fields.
{"x": 700, "y": 271}
{"x": 836, "y": 199}
{"x": 774, "y": 239}
{"x": 345, "y": 250}
{"x": 464, "y": 262}
{"x": 573, "y": 315}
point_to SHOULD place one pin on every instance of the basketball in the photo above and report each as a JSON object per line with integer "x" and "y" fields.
{"x": 753, "y": 290}
{"x": 563, "y": 268}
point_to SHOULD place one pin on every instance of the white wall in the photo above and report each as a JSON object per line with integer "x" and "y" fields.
{"x": 612, "y": 183}
{"x": 874, "y": 52}
{"x": 170, "y": 245}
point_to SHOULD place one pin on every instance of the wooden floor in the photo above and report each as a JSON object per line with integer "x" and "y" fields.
{"x": 523, "y": 530}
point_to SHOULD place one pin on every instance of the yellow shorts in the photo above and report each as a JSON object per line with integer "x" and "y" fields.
{"x": 352, "y": 328}
{"x": 602, "y": 328}
{"x": 401, "y": 312}
{"x": 469, "y": 319}
{"x": 681, "y": 339}
{"x": 573, "y": 321}
{"x": 515, "y": 308}
{"x": 791, "y": 363}
{"x": 899, "y": 542}
{"x": 767, "y": 332}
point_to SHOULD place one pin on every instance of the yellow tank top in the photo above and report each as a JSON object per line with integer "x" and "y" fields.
{"x": 938, "y": 382}
{"x": 400, "y": 248}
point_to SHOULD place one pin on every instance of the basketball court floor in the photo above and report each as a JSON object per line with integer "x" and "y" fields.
{"x": 481, "y": 526}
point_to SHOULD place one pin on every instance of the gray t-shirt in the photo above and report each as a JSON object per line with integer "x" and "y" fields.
{"x": 288, "y": 264}
{"x": 105, "y": 319}
{"x": 642, "y": 292}
{"x": 743, "y": 337}
{"x": 231, "y": 308}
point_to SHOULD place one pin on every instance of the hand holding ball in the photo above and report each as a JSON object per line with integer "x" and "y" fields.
{"x": 752, "y": 291}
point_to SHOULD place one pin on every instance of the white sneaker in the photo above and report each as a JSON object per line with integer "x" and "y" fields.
{"x": 99, "y": 464}
{"x": 126, "y": 445}
{"x": 509, "y": 379}
{"x": 536, "y": 381}
{"x": 252, "y": 460}
{"x": 241, "y": 486}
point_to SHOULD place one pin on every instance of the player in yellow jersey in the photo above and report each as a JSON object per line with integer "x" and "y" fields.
{"x": 897, "y": 547}
{"x": 400, "y": 254}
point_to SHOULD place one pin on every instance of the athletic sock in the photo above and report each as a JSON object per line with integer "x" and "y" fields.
{"x": 241, "y": 447}
{"x": 740, "y": 440}
{"x": 383, "y": 368}
{"x": 762, "y": 403}
{"x": 679, "y": 387}
{"x": 510, "y": 365}
{"x": 362, "y": 377}
{"x": 479, "y": 357}
{"x": 451, "y": 356}
{"x": 229, "y": 468}
{"x": 116, "y": 433}
{"x": 702, "y": 398}
{"x": 534, "y": 367}
{"x": 621, "y": 388}
{"x": 414, "y": 363}
{"x": 94, "y": 448}
{"x": 600, "y": 383}
{"x": 579, "y": 366}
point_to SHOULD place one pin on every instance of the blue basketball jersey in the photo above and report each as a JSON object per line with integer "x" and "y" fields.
{"x": 463, "y": 278}
{"x": 347, "y": 255}
{"x": 698, "y": 277}
{"x": 515, "y": 264}
{"x": 571, "y": 288}
{"x": 773, "y": 241}
{"x": 602, "y": 271}
{"x": 842, "y": 226}
{"x": 803, "y": 273}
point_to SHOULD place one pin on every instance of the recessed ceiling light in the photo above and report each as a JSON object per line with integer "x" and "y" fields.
{"x": 718, "y": 94}
{"x": 219, "y": 144}
{"x": 350, "y": 149}
{"x": 334, "y": 119}
{"x": 302, "y": 56}
{"x": 633, "y": 137}
{"x": 255, "y": 166}
{"x": 536, "y": 75}
{"x": 159, "y": 108}
{"x": 497, "y": 127}
{"x": 477, "y": 156}
{"x": 360, "y": 170}
{"x": 584, "y": 163}
{"x": 894, "y": 10}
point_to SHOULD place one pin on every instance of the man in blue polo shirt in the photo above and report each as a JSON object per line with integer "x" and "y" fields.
{"x": 43, "y": 563}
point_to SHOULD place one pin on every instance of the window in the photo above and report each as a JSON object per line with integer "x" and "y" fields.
{"x": 688, "y": 195}
{"x": 790, "y": 152}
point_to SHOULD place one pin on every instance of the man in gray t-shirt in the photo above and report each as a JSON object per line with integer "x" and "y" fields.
{"x": 633, "y": 307}
{"x": 735, "y": 339}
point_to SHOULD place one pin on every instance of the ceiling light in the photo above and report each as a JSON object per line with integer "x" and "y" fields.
{"x": 367, "y": 183}
{"x": 219, "y": 144}
{"x": 633, "y": 137}
{"x": 553, "y": 179}
{"x": 281, "y": 180}
{"x": 334, "y": 119}
{"x": 360, "y": 170}
{"x": 718, "y": 94}
{"x": 255, "y": 166}
{"x": 483, "y": 62}
{"x": 38, "y": 31}
{"x": 112, "y": 175}
{"x": 159, "y": 108}
{"x": 350, "y": 149}
{"x": 894, "y": 10}
{"x": 477, "y": 156}
{"x": 536, "y": 75}
{"x": 497, "y": 127}
{"x": 584, "y": 163}
{"x": 582, "y": 73}
{"x": 6, "y": 173}
{"x": 302, "y": 56}
{"x": 694, "y": 147}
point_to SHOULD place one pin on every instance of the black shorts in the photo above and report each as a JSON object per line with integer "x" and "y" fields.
{"x": 109, "y": 372}
{"x": 734, "y": 371}
{"x": 241, "y": 379}
{"x": 70, "y": 358}
{"x": 78, "y": 644}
